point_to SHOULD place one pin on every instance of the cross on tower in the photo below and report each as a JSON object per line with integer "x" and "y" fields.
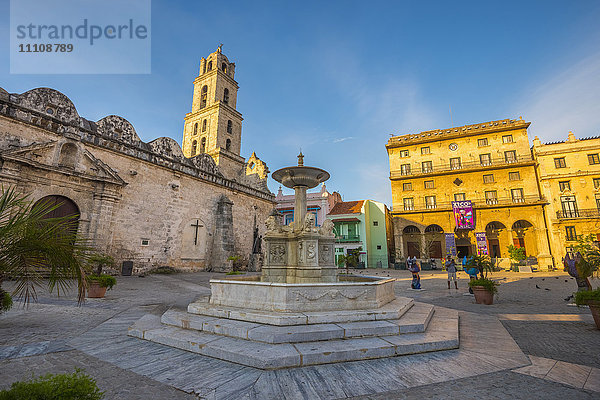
{"x": 196, "y": 225}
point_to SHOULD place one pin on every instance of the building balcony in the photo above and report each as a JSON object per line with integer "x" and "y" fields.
{"x": 347, "y": 238}
{"x": 454, "y": 167}
{"x": 578, "y": 214}
{"x": 481, "y": 203}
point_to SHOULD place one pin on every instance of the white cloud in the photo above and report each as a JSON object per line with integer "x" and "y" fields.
{"x": 567, "y": 101}
{"x": 338, "y": 140}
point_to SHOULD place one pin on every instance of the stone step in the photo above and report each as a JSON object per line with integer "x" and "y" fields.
{"x": 393, "y": 310}
{"x": 441, "y": 334}
{"x": 414, "y": 320}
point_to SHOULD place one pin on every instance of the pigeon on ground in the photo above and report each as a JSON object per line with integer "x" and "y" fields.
{"x": 543, "y": 279}
{"x": 566, "y": 280}
{"x": 546, "y": 289}
{"x": 537, "y": 287}
{"x": 556, "y": 277}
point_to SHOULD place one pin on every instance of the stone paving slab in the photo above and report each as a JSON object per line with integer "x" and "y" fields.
{"x": 579, "y": 376}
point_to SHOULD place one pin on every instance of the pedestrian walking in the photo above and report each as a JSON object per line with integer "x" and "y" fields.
{"x": 451, "y": 268}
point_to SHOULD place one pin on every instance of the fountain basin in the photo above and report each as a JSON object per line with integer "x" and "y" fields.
{"x": 350, "y": 293}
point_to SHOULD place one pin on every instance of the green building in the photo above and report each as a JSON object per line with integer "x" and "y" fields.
{"x": 363, "y": 224}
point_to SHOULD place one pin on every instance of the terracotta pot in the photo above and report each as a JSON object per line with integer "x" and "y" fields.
{"x": 595, "y": 309}
{"x": 482, "y": 295}
{"x": 95, "y": 291}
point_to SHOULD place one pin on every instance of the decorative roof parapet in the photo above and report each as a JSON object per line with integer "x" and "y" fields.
{"x": 51, "y": 110}
{"x": 449, "y": 133}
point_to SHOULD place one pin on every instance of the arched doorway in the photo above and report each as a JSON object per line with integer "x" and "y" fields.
{"x": 493, "y": 232}
{"x": 60, "y": 206}
{"x": 412, "y": 238}
{"x": 524, "y": 237}
{"x": 464, "y": 247}
{"x": 434, "y": 235}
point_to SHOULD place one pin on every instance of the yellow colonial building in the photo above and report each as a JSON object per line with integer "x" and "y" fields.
{"x": 569, "y": 176}
{"x": 489, "y": 164}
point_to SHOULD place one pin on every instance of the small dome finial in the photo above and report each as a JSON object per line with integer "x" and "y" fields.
{"x": 300, "y": 159}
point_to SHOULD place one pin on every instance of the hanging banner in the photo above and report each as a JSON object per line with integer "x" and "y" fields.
{"x": 482, "y": 248}
{"x": 463, "y": 214}
{"x": 450, "y": 245}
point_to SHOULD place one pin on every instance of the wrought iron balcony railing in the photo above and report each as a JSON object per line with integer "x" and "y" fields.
{"x": 462, "y": 166}
{"x": 479, "y": 203}
{"x": 574, "y": 214}
{"x": 347, "y": 238}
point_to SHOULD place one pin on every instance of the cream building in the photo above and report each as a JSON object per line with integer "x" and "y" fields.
{"x": 489, "y": 164}
{"x": 569, "y": 176}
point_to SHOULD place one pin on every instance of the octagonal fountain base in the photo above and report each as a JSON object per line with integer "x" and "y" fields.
{"x": 350, "y": 293}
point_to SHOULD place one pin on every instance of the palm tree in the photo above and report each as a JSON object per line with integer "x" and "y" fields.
{"x": 34, "y": 248}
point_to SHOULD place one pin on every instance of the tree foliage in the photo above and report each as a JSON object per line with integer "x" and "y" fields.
{"x": 589, "y": 265}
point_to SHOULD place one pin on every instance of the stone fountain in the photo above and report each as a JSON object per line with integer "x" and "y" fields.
{"x": 299, "y": 311}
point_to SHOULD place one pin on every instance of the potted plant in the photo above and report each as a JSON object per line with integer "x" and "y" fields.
{"x": 483, "y": 288}
{"x": 590, "y": 298}
{"x": 99, "y": 283}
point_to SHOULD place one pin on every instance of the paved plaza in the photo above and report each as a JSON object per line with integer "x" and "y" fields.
{"x": 530, "y": 344}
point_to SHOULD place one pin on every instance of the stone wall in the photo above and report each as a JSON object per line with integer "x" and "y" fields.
{"x": 138, "y": 201}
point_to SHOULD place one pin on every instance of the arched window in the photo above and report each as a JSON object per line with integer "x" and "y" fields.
{"x": 196, "y": 128}
{"x": 203, "y": 145}
{"x": 229, "y": 126}
{"x": 226, "y": 96}
{"x": 209, "y": 66}
{"x": 228, "y": 144}
{"x": 194, "y": 147}
{"x": 224, "y": 67}
{"x": 204, "y": 126}
{"x": 68, "y": 155}
{"x": 203, "y": 96}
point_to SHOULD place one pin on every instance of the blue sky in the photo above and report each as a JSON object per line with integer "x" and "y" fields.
{"x": 337, "y": 78}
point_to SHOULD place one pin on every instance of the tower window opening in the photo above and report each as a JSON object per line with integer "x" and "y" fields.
{"x": 228, "y": 144}
{"x": 203, "y": 96}
{"x": 196, "y": 128}
{"x": 209, "y": 68}
{"x": 203, "y": 145}
{"x": 229, "y": 126}
{"x": 194, "y": 147}
{"x": 224, "y": 67}
{"x": 226, "y": 96}
{"x": 204, "y": 126}
{"x": 204, "y": 68}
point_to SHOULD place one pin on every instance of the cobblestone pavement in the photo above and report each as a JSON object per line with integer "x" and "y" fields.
{"x": 564, "y": 341}
{"x": 35, "y": 341}
{"x": 499, "y": 385}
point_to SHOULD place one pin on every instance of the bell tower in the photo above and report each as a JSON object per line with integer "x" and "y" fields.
{"x": 214, "y": 126}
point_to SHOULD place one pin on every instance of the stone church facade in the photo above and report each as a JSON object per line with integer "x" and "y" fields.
{"x": 150, "y": 203}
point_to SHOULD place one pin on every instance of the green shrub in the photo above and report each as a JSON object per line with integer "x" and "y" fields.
{"x": 5, "y": 301}
{"x": 488, "y": 284}
{"x": 582, "y": 297}
{"x": 107, "y": 281}
{"x": 75, "y": 386}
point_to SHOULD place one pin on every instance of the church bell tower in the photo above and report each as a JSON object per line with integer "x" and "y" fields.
{"x": 214, "y": 126}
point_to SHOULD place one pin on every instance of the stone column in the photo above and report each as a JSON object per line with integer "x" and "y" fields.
{"x": 545, "y": 260}
{"x": 299, "y": 206}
